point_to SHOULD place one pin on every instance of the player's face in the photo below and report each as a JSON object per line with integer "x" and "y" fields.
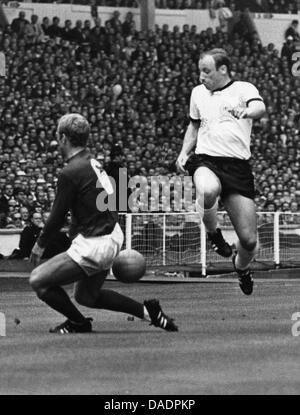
{"x": 61, "y": 142}
{"x": 210, "y": 77}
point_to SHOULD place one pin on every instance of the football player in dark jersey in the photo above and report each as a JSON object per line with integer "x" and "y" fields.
{"x": 96, "y": 240}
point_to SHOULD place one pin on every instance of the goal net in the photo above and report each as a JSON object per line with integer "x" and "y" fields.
{"x": 179, "y": 239}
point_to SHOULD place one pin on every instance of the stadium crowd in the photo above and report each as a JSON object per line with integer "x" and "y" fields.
{"x": 134, "y": 87}
{"x": 259, "y": 6}
{"x": 263, "y": 6}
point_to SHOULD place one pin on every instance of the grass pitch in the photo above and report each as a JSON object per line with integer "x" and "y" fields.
{"x": 227, "y": 343}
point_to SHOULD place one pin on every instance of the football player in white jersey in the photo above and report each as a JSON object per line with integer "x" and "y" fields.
{"x": 221, "y": 114}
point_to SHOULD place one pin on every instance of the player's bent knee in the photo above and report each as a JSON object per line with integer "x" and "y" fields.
{"x": 208, "y": 189}
{"x": 37, "y": 284}
{"x": 250, "y": 243}
{"x": 210, "y": 198}
{"x": 34, "y": 280}
{"x": 207, "y": 200}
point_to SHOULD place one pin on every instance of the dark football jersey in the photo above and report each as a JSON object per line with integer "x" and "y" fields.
{"x": 78, "y": 192}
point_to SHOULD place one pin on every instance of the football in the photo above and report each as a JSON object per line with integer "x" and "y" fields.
{"x": 129, "y": 266}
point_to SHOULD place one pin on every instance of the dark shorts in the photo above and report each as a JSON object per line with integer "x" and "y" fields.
{"x": 234, "y": 174}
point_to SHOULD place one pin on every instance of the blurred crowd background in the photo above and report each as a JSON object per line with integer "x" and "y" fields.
{"x": 134, "y": 88}
{"x": 265, "y": 6}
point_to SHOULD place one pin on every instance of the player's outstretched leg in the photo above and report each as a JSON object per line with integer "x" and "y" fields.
{"x": 158, "y": 317}
{"x": 89, "y": 293}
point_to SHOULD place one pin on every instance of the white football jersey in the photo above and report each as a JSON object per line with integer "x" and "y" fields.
{"x": 221, "y": 134}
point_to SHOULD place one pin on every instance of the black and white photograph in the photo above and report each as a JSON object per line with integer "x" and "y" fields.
{"x": 150, "y": 200}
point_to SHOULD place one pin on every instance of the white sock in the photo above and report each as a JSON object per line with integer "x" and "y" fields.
{"x": 199, "y": 208}
{"x": 210, "y": 218}
{"x": 244, "y": 257}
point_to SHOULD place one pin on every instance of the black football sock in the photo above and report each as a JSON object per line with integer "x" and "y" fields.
{"x": 111, "y": 300}
{"x": 58, "y": 299}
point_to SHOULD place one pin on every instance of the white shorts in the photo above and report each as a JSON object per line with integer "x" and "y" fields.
{"x": 96, "y": 253}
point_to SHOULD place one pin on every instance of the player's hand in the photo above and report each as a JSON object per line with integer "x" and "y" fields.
{"x": 240, "y": 113}
{"x": 36, "y": 254}
{"x": 180, "y": 163}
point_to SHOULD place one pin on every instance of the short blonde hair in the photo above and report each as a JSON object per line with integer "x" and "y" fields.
{"x": 220, "y": 56}
{"x": 75, "y": 127}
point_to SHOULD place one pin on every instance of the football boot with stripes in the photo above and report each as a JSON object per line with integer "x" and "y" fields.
{"x": 219, "y": 244}
{"x": 158, "y": 317}
{"x": 245, "y": 278}
{"x": 70, "y": 327}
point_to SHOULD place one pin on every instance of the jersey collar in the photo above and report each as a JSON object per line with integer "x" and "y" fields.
{"x": 224, "y": 87}
{"x": 75, "y": 154}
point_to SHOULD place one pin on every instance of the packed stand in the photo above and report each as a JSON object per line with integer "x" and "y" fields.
{"x": 259, "y": 6}
{"x": 262, "y": 6}
{"x": 134, "y": 88}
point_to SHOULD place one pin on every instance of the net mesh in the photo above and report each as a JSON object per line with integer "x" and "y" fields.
{"x": 289, "y": 237}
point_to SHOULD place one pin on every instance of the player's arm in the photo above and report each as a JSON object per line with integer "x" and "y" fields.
{"x": 255, "y": 109}
{"x": 189, "y": 142}
{"x": 61, "y": 206}
{"x": 190, "y": 137}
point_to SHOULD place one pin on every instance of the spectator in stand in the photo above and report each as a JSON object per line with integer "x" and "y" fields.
{"x": 128, "y": 24}
{"x": 19, "y": 195}
{"x": 295, "y": 218}
{"x": 17, "y": 221}
{"x": 25, "y": 216}
{"x": 30, "y": 234}
{"x": 3, "y": 209}
{"x": 66, "y": 30}
{"x": 18, "y": 24}
{"x": 28, "y": 237}
{"x": 8, "y": 192}
{"x": 288, "y": 49}
{"x": 76, "y": 34}
{"x": 87, "y": 25}
{"x": 293, "y": 31}
{"x": 54, "y": 30}
{"x": 45, "y": 25}
{"x": 98, "y": 29}
{"x": 33, "y": 32}
{"x": 115, "y": 22}
{"x": 224, "y": 14}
